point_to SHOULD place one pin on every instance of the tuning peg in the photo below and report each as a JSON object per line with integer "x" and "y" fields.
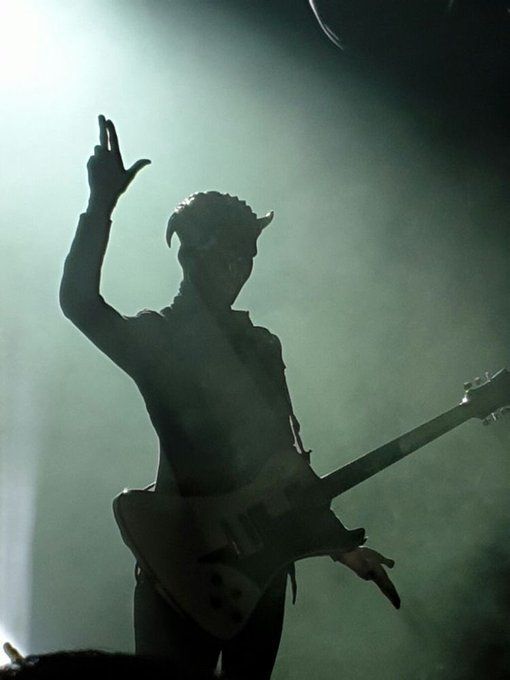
{"x": 496, "y": 415}
{"x": 503, "y": 411}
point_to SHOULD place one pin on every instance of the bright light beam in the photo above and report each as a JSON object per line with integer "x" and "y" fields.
{"x": 29, "y": 51}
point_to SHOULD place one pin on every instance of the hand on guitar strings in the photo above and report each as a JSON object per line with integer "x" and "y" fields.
{"x": 369, "y": 565}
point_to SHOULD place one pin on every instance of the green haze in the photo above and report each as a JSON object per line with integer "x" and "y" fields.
{"x": 384, "y": 274}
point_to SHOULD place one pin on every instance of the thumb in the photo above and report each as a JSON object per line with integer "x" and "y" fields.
{"x": 136, "y": 167}
{"x": 386, "y": 561}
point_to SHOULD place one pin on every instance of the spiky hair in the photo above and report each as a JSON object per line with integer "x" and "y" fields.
{"x": 209, "y": 217}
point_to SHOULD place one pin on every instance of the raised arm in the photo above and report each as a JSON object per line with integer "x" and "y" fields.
{"x": 80, "y": 296}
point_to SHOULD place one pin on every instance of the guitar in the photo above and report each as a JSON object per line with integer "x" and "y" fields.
{"x": 212, "y": 557}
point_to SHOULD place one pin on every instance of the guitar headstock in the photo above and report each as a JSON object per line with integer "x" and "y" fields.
{"x": 488, "y": 397}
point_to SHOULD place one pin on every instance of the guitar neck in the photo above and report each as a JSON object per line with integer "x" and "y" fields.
{"x": 373, "y": 462}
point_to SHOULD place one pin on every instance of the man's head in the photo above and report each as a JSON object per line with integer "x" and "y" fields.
{"x": 218, "y": 235}
{"x": 92, "y": 664}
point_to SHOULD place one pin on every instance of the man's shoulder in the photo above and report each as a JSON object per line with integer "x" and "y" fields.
{"x": 145, "y": 320}
{"x": 147, "y": 316}
{"x": 266, "y": 336}
{"x": 268, "y": 342}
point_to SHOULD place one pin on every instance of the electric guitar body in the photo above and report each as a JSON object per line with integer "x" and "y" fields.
{"x": 212, "y": 557}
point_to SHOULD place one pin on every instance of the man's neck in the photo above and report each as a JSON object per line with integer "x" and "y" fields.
{"x": 190, "y": 298}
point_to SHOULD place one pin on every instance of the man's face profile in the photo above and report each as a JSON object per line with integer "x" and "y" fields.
{"x": 218, "y": 240}
{"x": 217, "y": 273}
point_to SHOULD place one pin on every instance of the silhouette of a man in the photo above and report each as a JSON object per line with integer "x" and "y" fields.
{"x": 214, "y": 387}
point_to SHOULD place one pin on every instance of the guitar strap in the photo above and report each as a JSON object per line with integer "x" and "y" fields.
{"x": 296, "y": 428}
{"x": 297, "y": 436}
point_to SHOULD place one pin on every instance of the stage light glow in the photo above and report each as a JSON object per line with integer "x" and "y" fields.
{"x": 29, "y": 47}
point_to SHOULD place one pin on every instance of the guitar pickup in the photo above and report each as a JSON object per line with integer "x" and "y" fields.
{"x": 224, "y": 554}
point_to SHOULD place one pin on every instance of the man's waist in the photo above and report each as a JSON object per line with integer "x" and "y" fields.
{"x": 211, "y": 475}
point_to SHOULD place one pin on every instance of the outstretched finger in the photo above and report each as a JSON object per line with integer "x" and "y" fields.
{"x": 114, "y": 140}
{"x": 103, "y": 137}
{"x": 136, "y": 167}
{"x": 383, "y": 582}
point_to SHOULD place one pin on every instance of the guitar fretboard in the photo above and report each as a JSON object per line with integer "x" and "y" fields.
{"x": 373, "y": 462}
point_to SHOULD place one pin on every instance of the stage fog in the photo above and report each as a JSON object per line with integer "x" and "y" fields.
{"x": 385, "y": 273}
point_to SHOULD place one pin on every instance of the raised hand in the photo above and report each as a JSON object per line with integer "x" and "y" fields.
{"x": 108, "y": 178}
{"x": 369, "y": 565}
